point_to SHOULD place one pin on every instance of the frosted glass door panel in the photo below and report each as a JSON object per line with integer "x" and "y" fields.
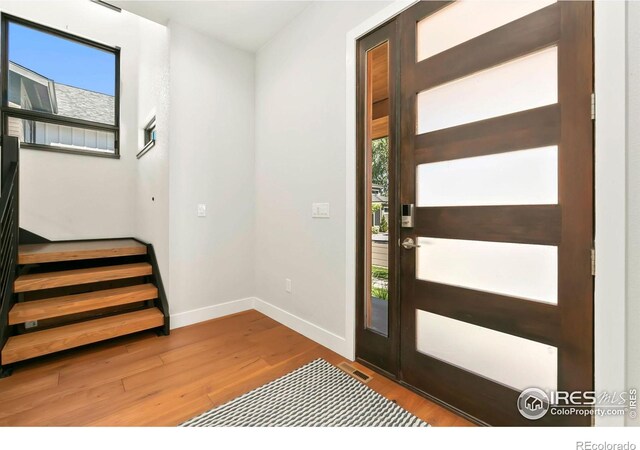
{"x": 517, "y": 270}
{"x": 525, "y": 177}
{"x": 510, "y": 360}
{"x": 524, "y": 83}
{"x": 465, "y": 20}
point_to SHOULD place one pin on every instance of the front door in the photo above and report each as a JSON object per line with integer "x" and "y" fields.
{"x": 496, "y": 155}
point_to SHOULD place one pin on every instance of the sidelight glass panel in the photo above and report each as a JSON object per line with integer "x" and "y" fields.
{"x": 465, "y": 20}
{"x": 517, "y": 270}
{"x": 377, "y": 185}
{"x": 524, "y": 83}
{"x": 378, "y": 308}
{"x": 525, "y": 177}
{"x": 510, "y": 360}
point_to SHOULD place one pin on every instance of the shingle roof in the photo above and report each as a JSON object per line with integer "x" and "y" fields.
{"x": 82, "y": 104}
{"x": 377, "y": 198}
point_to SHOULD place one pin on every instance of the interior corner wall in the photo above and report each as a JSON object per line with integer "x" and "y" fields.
{"x": 300, "y": 159}
{"x": 211, "y": 162}
{"x": 633, "y": 201}
{"x": 152, "y": 169}
{"x": 65, "y": 196}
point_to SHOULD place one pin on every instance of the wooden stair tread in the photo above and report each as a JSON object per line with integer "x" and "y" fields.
{"x": 47, "y": 280}
{"x": 77, "y": 303}
{"x": 31, "y": 345}
{"x": 77, "y": 250}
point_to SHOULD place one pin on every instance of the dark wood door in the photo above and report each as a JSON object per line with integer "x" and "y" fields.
{"x": 497, "y": 157}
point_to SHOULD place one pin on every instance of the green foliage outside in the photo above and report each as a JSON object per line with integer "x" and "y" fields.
{"x": 380, "y": 164}
{"x": 384, "y": 225}
{"x": 380, "y": 282}
{"x": 380, "y": 273}
{"x": 381, "y": 293}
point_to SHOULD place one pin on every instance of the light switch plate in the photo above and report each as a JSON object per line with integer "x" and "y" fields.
{"x": 202, "y": 210}
{"x": 320, "y": 210}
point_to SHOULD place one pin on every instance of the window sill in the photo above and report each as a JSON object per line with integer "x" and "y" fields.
{"x": 70, "y": 151}
{"x": 145, "y": 149}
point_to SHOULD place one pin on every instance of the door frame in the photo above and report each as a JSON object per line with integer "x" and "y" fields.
{"x": 610, "y": 190}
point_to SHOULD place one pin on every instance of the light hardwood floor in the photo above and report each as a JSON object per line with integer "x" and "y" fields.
{"x": 145, "y": 380}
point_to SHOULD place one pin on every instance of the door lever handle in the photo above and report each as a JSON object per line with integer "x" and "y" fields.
{"x": 408, "y": 244}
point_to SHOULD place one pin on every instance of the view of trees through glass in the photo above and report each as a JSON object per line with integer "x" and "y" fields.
{"x": 379, "y": 233}
{"x": 380, "y": 163}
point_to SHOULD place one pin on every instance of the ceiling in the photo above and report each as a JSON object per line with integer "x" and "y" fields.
{"x": 247, "y": 25}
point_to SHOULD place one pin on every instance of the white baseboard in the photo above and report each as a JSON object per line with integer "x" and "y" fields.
{"x": 323, "y": 337}
{"x": 211, "y": 312}
{"x": 318, "y": 334}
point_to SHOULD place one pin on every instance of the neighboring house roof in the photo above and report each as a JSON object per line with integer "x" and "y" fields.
{"x": 378, "y": 198}
{"x": 26, "y": 72}
{"x": 29, "y": 89}
{"x": 34, "y": 91}
{"x": 83, "y": 104}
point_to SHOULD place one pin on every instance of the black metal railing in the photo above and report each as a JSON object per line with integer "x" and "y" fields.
{"x": 9, "y": 232}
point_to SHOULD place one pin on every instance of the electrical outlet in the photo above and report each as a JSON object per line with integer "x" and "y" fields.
{"x": 202, "y": 210}
{"x": 287, "y": 285}
{"x": 31, "y": 324}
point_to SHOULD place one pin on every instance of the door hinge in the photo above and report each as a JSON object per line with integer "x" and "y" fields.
{"x": 593, "y": 261}
{"x": 593, "y": 105}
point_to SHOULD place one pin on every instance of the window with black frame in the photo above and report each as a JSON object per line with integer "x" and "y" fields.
{"x": 60, "y": 92}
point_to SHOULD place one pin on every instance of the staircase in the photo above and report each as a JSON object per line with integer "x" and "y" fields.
{"x": 75, "y": 293}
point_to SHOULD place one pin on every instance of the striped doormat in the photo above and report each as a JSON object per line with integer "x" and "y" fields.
{"x": 315, "y": 395}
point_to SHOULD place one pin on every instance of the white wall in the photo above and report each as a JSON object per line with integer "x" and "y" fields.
{"x": 300, "y": 159}
{"x": 633, "y": 199}
{"x": 69, "y": 196}
{"x": 211, "y": 162}
{"x": 610, "y": 198}
{"x": 152, "y": 170}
